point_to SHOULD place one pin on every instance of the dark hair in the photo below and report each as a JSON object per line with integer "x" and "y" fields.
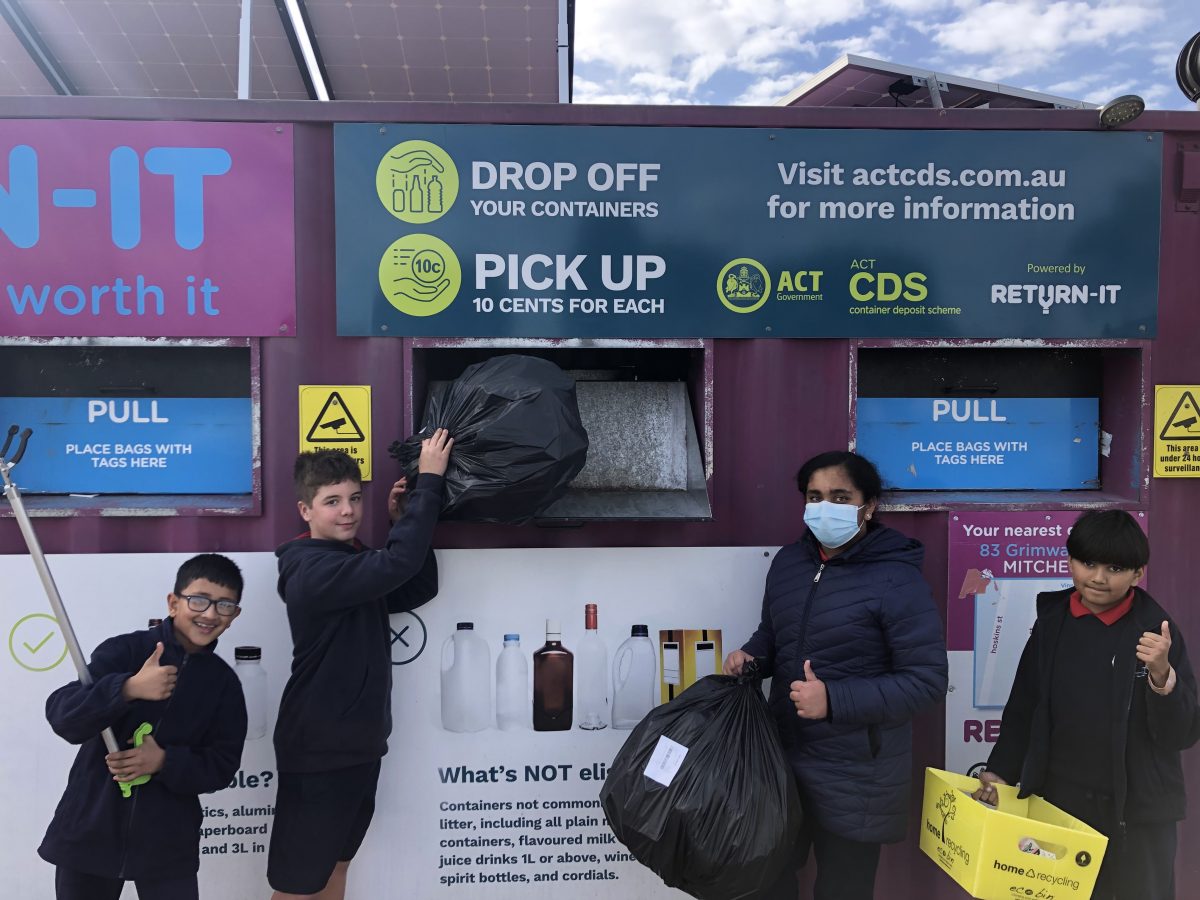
{"x": 211, "y": 567}
{"x": 1109, "y": 536}
{"x": 861, "y": 470}
{"x": 314, "y": 469}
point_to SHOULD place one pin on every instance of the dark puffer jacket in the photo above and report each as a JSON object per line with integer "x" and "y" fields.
{"x": 867, "y": 623}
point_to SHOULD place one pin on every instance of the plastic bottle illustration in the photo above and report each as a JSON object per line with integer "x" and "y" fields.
{"x": 466, "y": 681}
{"x": 635, "y": 678}
{"x": 592, "y": 665}
{"x": 434, "y": 195}
{"x": 398, "y": 204}
{"x": 416, "y": 196}
{"x": 553, "y": 674}
{"x": 512, "y": 686}
{"x": 248, "y": 665}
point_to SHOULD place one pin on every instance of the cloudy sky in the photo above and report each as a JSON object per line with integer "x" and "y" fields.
{"x": 755, "y": 51}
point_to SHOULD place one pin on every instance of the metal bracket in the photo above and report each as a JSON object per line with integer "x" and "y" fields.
{"x": 936, "y": 87}
{"x": 1187, "y": 185}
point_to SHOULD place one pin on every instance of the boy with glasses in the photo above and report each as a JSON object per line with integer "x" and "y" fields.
{"x": 135, "y": 815}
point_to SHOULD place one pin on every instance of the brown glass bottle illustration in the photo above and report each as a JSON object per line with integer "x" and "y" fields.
{"x": 553, "y": 677}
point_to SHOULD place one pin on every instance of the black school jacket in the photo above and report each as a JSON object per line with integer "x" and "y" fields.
{"x": 155, "y": 833}
{"x": 336, "y": 709}
{"x": 1147, "y": 734}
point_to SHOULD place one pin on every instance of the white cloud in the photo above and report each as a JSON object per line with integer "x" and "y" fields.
{"x": 1027, "y": 35}
{"x": 766, "y": 91}
{"x": 696, "y": 40}
{"x": 870, "y": 44}
{"x": 751, "y": 51}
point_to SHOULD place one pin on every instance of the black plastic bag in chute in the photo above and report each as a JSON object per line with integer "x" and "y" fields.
{"x": 725, "y": 825}
{"x": 518, "y": 439}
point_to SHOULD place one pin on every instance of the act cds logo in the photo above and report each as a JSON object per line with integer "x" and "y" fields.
{"x": 417, "y": 182}
{"x": 743, "y": 285}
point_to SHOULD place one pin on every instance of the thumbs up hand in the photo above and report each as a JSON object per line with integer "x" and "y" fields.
{"x": 152, "y": 681}
{"x": 809, "y": 696}
{"x": 1153, "y": 649}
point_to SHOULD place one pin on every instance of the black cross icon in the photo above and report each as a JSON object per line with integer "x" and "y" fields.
{"x": 410, "y": 638}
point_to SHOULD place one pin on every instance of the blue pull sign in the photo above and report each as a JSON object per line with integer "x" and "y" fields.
{"x": 164, "y": 445}
{"x": 1004, "y": 443}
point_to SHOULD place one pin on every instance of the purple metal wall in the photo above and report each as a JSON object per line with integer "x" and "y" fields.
{"x": 776, "y": 402}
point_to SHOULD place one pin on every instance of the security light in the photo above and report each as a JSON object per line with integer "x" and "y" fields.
{"x": 1121, "y": 111}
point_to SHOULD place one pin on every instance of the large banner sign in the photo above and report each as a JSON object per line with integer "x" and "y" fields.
{"x": 573, "y": 231}
{"x": 146, "y": 229}
{"x": 998, "y": 563}
{"x": 500, "y": 744}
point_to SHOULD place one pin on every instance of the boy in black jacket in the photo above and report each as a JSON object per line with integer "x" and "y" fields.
{"x": 167, "y": 676}
{"x": 1103, "y": 702}
{"x": 336, "y": 714}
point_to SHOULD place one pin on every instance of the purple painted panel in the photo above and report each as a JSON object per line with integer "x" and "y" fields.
{"x": 147, "y": 229}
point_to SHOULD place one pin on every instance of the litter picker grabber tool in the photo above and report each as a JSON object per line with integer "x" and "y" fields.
{"x": 39, "y": 562}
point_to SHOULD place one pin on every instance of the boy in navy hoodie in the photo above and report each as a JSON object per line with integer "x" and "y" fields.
{"x": 336, "y": 714}
{"x": 167, "y": 676}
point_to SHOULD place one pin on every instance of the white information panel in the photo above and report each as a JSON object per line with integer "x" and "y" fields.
{"x": 487, "y": 813}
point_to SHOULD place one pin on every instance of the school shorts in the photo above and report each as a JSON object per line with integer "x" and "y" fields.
{"x": 70, "y": 884}
{"x": 320, "y": 820}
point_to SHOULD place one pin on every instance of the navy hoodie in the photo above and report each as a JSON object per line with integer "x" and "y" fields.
{"x": 336, "y": 709}
{"x": 155, "y": 833}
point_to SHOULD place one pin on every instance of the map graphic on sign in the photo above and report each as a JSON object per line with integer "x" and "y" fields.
{"x": 1184, "y": 422}
{"x": 335, "y": 422}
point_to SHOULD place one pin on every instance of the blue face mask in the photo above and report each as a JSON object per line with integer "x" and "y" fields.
{"x": 833, "y": 524}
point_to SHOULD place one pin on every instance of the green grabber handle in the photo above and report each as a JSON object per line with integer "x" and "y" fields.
{"x": 127, "y": 786}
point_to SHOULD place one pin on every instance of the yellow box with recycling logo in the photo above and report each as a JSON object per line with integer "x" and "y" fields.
{"x": 1021, "y": 850}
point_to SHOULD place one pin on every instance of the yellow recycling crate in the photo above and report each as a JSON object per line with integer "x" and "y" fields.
{"x": 1023, "y": 850}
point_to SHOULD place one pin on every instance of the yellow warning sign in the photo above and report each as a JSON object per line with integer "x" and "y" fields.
{"x": 337, "y": 417}
{"x": 1176, "y": 431}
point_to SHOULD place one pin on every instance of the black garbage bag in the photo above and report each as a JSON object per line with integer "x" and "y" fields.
{"x": 726, "y": 825}
{"x": 518, "y": 440}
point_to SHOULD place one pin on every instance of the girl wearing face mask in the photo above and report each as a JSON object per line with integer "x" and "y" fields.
{"x": 856, "y": 648}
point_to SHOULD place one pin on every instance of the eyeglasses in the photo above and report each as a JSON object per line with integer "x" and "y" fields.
{"x": 199, "y": 603}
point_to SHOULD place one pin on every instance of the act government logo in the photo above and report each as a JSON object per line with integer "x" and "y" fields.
{"x": 743, "y": 285}
{"x": 417, "y": 182}
{"x": 419, "y": 275}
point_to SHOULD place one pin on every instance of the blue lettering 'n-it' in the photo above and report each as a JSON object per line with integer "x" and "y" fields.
{"x": 188, "y": 166}
{"x": 19, "y": 218}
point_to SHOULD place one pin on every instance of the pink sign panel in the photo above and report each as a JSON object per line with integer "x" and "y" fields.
{"x": 146, "y": 229}
{"x": 998, "y": 564}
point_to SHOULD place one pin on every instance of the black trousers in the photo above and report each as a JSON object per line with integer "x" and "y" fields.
{"x": 1139, "y": 863}
{"x": 72, "y": 885}
{"x": 845, "y": 868}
